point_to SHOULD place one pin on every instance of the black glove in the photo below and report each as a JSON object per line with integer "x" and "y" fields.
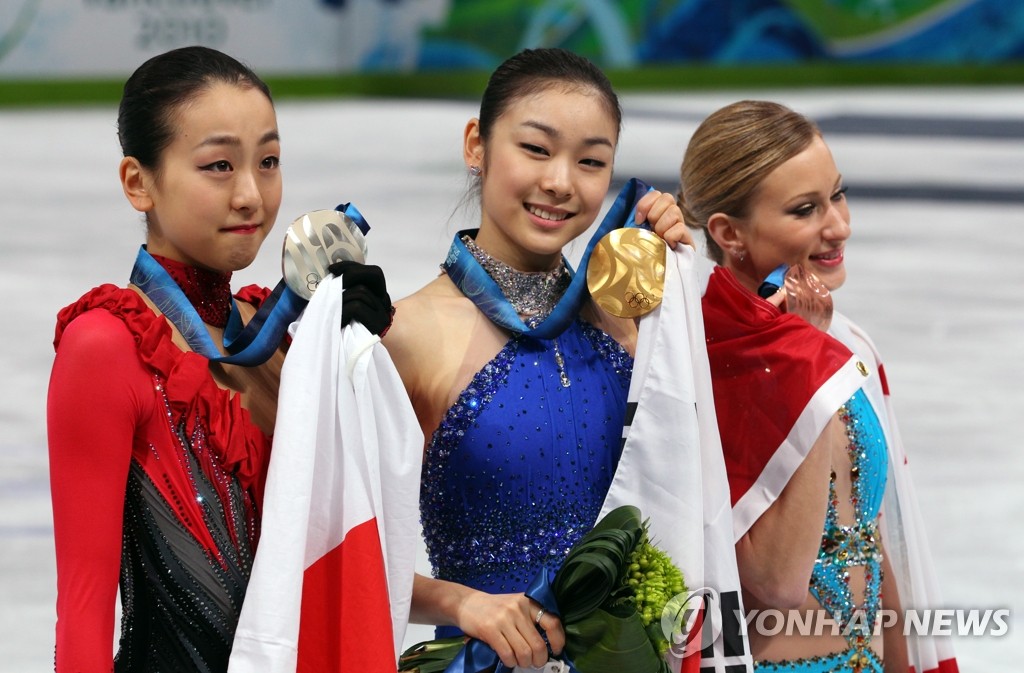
{"x": 365, "y": 299}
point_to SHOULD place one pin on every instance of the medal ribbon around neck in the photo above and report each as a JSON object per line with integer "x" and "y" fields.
{"x": 248, "y": 346}
{"x": 467, "y": 274}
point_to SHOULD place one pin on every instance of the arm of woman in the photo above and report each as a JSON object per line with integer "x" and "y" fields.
{"x": 506, "y": 622}
{"x": 777, "y": 554}
{"x": 90, "y": 422}
{"x": 894, "y": 642}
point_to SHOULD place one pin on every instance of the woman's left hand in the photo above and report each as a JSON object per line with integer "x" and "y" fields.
{"x": 661, "y": 212}
{"x": 365, "y": 298}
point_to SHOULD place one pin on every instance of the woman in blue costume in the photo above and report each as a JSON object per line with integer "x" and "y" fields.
{"x": 810, "y": 447}
{"x": 524, "y": 420}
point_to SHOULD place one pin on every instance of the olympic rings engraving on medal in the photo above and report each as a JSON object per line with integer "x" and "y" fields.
{"x": 638, "y": 300}
{"x": 312, "y": 281}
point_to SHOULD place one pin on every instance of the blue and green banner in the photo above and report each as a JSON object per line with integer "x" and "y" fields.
{"x": 107, "y": 38}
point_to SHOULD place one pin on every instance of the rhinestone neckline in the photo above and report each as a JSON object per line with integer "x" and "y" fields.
{"x": 533, "y": 294}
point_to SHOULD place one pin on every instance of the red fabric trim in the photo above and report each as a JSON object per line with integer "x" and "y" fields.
{"x": 884, "y": 381}
{"x": 765, "y": 367}
{"x": 945, "y": 666}
{"x": 253, "y": 294}
{"x": 235, "y": 444}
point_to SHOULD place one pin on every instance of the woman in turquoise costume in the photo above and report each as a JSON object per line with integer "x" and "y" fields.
{"x": 521, "y": 389}
{"x": 828, "y": 541}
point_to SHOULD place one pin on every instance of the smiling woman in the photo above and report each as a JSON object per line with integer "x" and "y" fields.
{"x": 520, "y": 390}
{"x": 798, "y": 215}
{"x": 811, "y": 449}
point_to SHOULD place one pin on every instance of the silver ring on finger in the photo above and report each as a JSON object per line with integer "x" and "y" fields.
{"x": 540, "y": 613}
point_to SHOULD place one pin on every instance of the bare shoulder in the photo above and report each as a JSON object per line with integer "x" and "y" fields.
{"x": 433, "y": 331}
{"x": 434, "y": 309}
{"x": 427, "y": 324}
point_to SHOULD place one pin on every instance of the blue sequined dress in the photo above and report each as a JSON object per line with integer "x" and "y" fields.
{"x": 519, "y": 467}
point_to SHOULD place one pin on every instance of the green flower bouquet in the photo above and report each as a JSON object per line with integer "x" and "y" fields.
{"x": 611, "y": 591}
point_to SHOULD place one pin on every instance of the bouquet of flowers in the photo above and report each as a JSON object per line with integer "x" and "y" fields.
{"x": 611, "y": 591}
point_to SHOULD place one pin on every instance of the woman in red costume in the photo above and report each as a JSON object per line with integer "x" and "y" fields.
{"x": 159, "y": 441}
{"x": 825, "y": 520}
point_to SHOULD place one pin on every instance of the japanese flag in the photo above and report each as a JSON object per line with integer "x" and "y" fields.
{"x": 332, "y": 578}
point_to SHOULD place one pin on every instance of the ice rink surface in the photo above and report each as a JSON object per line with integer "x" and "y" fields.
{"x": 936, "y": 276}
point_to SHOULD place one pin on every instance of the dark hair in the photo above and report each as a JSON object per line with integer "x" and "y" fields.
{"x": 534, "y": 70}
{"x": 731, "y": 153}
{"x": 163, "y": 84}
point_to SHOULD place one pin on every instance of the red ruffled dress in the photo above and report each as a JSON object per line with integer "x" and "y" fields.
{"x": 157, "y": 476}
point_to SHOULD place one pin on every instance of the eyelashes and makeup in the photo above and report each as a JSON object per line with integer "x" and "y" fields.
{"x": 807, "y": 209}
{"x": 225, "y": 166}
{"x": 589, "y": 162}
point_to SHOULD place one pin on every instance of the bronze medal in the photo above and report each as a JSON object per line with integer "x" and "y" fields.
{"x": 626, "y": 272}
{"x": 313, "y": 242}
{"x": 807, "y": 297}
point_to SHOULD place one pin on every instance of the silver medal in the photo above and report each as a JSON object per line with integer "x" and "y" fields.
{"x": 313, "y": 242}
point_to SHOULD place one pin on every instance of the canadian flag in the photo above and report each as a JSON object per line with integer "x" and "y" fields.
{"x": 332, "y": 579}
{"x": 759, "y": 356}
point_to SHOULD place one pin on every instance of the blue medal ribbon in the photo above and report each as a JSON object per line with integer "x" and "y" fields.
{"x": 354, "y": 215}
{"x": 248, "y": 346}
{"x": 474, "y": 282}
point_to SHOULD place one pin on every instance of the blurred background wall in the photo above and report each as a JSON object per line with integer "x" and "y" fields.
{"x": 59, "y": 39}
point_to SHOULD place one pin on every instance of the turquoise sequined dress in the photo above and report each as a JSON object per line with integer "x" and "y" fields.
{"x": 848, "y": 546}
{"x": 519, "y": 467}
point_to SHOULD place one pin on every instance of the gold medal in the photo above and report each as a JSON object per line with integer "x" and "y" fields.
{"x": 626, "y": 272}
{"x": 313, "y": 242}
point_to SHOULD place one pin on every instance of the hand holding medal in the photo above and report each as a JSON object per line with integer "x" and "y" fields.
{"x": 804, "y": 294}
{"x": 332, "y": 242}
{"x": 626, "y": 270}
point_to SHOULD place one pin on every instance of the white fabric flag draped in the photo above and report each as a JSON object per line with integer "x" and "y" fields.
{"x": 672, "y": 468}
{"x": 332, "y": 578}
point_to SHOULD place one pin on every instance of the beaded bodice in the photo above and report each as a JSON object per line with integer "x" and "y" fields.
{"x": 857, "y": 544}
{"x": 180, "y": 602}
{"x": 518, "y": 468}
